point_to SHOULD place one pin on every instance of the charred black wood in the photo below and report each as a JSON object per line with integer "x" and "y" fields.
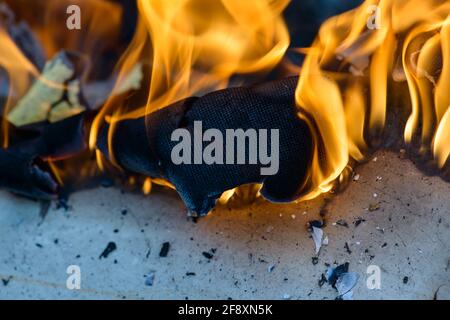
{"x": 22, "y": 166}
{"x": 144, "y": 145}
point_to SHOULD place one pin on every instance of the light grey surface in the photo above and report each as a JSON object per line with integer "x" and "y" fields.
{"x": 413, "y": 222}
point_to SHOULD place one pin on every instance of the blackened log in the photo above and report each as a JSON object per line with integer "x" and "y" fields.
{"x": 144, "y": 145}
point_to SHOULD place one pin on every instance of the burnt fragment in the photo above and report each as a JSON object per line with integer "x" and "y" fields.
{"x": 20, "y": 175}
{"x": 333, "y": 274}
{"x": 164, "y": 249}
{"x": 109, "y": 248}
{"x": 23, "y": 169}
{"x": 144, "y": 145}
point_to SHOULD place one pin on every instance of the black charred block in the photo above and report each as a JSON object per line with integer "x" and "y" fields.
{"x": 22, "y": 165}
{"x": 144, "y": 145}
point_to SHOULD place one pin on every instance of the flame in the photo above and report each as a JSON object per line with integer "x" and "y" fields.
{"x": 347, "y": 84}
{"x": 195, "y": 46}
{"x": 100, "y": 22}
{"x": 352, "y": 84}
{"x": 192, "y": 47}
{"x": 19, "y": 71}
{"x": 94, "y": 38}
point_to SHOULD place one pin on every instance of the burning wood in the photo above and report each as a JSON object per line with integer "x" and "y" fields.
{"x": 366, "y": 82}
{"x": 145, "y": 145}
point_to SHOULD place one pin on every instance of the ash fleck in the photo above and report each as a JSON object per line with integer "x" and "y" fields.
{"x": 374, "y": 207}
{"x": 150, "y": 278}
{"x": 358, "y": 221}
{"x": 347, "y": 248}
{"x": 342, "y": 280}
{"x": 317, "y": 235}
{"x": 342, "y": 223}
{"x": 109, "y": 248}
{"x": 207, "y": 255}
{"x": 316, "y": 224}
{"x": 322, "y": 280}
{"x": 334, "y": 273}
{"x": 164, "y": 249}
{"x": 6, "y": 281}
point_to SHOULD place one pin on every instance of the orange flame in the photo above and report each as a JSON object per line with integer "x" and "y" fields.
{"x": 192, "y": 47}
{"x": 349, "y": 74}
{"x": 20, "y": 72}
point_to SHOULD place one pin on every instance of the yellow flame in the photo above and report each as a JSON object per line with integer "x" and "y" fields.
{"x": 100, "y": 21}
{"x": 346, "y": 83}
{"x": 147, "y": 186}
{"x": 195, "y": 46}
{"x": 20, "y": 72}
{"x": 191, "y": 47}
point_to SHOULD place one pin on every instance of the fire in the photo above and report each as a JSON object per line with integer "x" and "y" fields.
{"x": 100, "y": 21}
{"x": 47, "y": 20}
{"x": 191, "y": 47}
{"x": 20, "y": 72}
{"x": 371, "y": 71}
{"x": 359, "y": 63}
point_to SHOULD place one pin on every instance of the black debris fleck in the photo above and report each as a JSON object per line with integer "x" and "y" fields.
{"x": 164, "y": 249}
{"x": 342, "y": 223}
{"x": 384, "y": 245}
{"x": 322, "y": 280}
{"x": 315, "y": 223}
{"x": 109, "y": 248}
{"x": 315, "y": 260}
{"x": 6, "y": 281}
{"x": 190, "y": 274}
{"x": 124, "y": 212}
{"x": 207, "y": 255}
{"x": 347, "y": 248}
{"x": 39, "y": 245}
{"x": 358, "y": 221}
{"x": 405, "y": 280}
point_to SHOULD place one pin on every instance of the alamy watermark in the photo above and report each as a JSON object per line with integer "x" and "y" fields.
{"x": 73, "y": 281}
{"x": 374, "y": 279}
{"x": 374, "y": 20}
{"x": 73, "y": 21}
{"x": 237, "y": 147}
